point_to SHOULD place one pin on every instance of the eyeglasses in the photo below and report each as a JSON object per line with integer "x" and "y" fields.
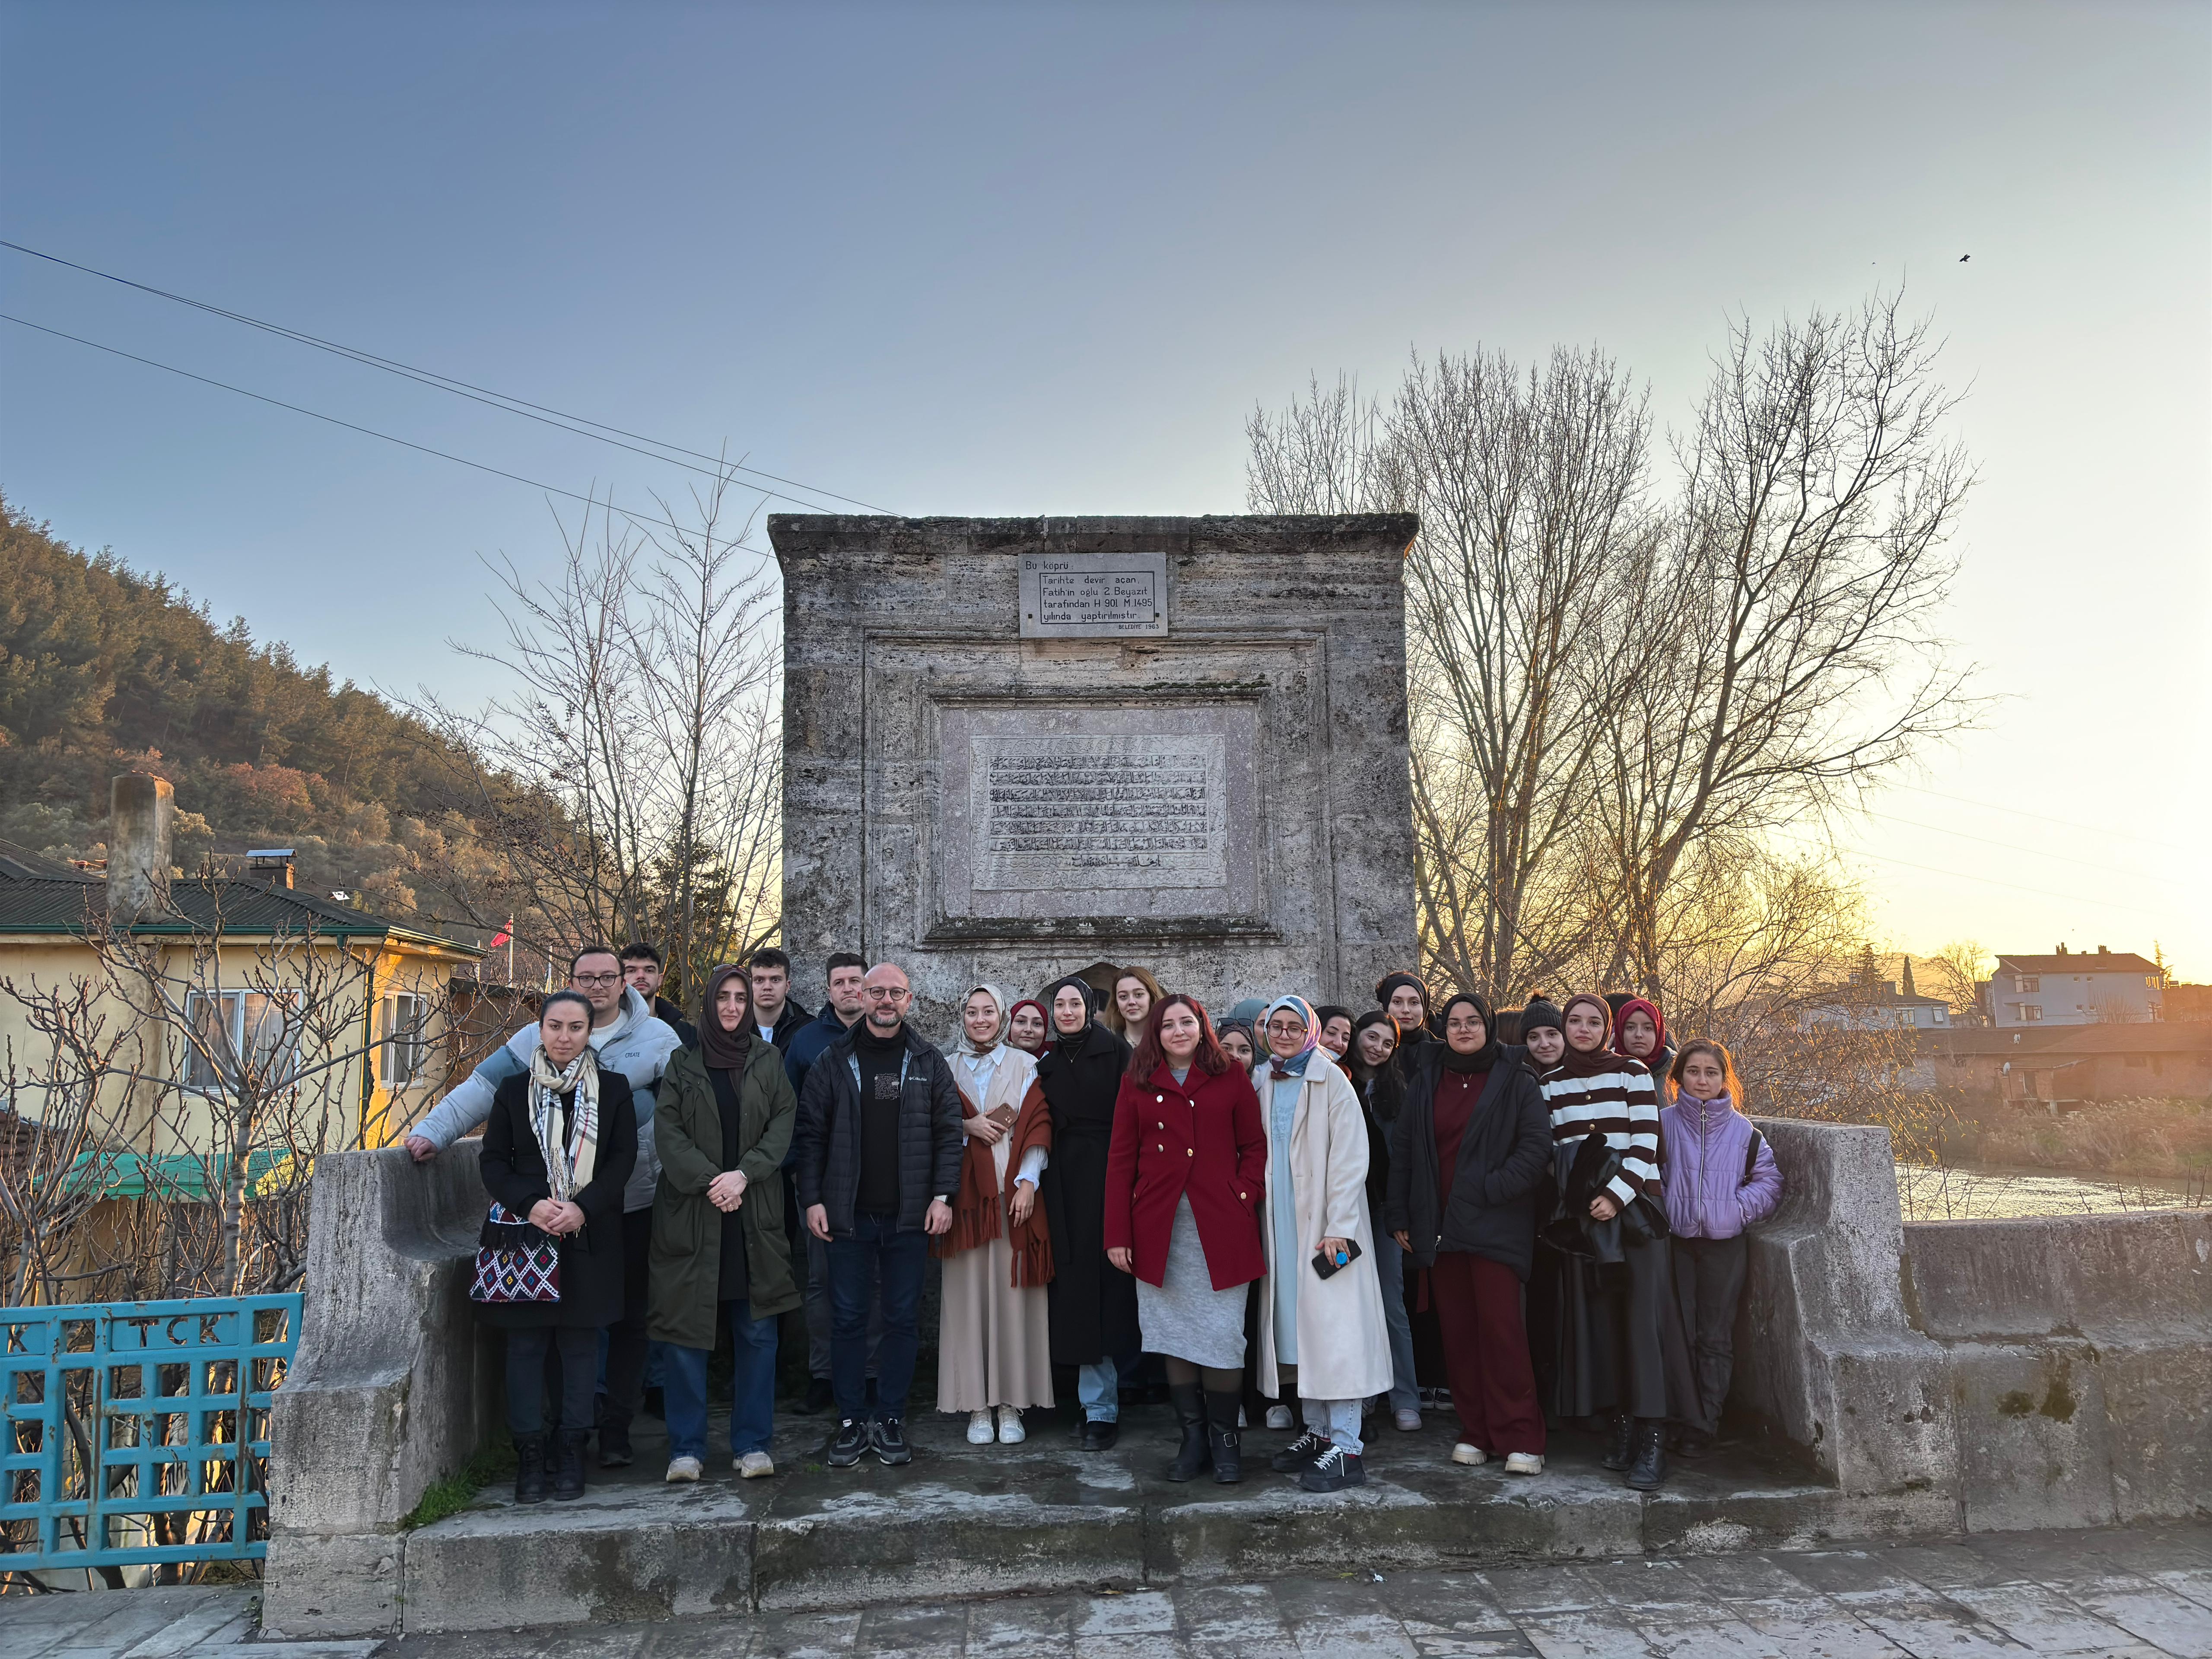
{"x": 1286, "y": 1028}
{"x": 595, "y": 979}
{"x": 889, "y": 992}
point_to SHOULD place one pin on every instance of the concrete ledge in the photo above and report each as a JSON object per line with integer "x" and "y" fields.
{"x": 1044, "y": 1517}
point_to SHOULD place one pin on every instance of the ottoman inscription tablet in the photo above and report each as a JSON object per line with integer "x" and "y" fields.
{"x": 1075, "y": 812}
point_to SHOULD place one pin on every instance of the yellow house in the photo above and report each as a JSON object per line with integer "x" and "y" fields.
{"x": 213, "y": 1011}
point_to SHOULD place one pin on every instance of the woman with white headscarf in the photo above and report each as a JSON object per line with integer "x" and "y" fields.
{"x": 1321, "y": 1309}
{"x": 993, "y": 1347}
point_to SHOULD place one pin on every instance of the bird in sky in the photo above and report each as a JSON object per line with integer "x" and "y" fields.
{"x": 1963, "y": 258}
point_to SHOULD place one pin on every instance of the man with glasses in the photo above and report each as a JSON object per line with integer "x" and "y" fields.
{"x": 878, "y": 1147}
{"x": 631, "y": 1041}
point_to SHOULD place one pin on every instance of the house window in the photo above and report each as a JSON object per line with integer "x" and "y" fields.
{"x": 2027, "y": 1011}
{"x": 251, "y": 1027}
{"x": 2027, "y": 983}
{"x": 1941, "y": 1016}
{"x": 406, "y": 1042}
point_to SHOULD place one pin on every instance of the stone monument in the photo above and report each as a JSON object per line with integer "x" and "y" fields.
{"x": 1013, "y": 747}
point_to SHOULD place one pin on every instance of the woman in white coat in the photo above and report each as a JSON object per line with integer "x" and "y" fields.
{"x": 1328, "y": 1332}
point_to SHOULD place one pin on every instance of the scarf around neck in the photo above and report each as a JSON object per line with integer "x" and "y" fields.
{"x": 567, "y": 1167}
{"x": 726, "y": 1051}
{"x": 1070, "y": 1041}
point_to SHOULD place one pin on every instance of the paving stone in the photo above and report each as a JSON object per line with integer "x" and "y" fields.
{"x": 1928, "y": 1624}
{"x": 1232, "y": 1621}
{"x": 1523, "y": 1591}
{"x": 1141, "y": 1613}
{"x": 2040, "y": 1618}
{"x": 1806, "y": 1628}
{"x": 1472, "y": 1644}
{"x": 1645, "y": 1585}
{"x": 2171, "y": 1623}
{"x": 1020, "y": 1626}
{"x": 806, "y": 1636}
{"x": 1593, "y": 1633}
{"x": 1132, "y": 1645}
{"x": 1353, "y": 1635}
{"x": 1451, "y": 1601}
{"x": 1720, "y": 1636}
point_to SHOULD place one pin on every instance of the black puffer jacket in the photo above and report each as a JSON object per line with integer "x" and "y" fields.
{"x": 1503, "y": 1157}
{"x": 826, "y": 1145}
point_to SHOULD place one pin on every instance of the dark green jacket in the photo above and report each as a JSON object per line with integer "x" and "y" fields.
{"x": 687, "y": 1229}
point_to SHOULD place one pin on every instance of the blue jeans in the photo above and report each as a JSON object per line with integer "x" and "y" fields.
{"x": 752, "y": 1388}
{"x": 1390, "y": 1270}
{"x": 1099, "y": 1388}
{"x": 876, "y": 1259}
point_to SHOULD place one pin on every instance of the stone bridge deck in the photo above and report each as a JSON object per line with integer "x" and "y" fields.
{"x": 1045, "y": 1517}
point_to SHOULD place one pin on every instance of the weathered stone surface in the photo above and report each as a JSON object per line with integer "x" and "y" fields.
{"x": 390, "y": 1389}
{"x": 1277, "y": 693}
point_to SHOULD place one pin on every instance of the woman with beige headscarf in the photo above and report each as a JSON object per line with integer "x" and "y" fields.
{"x": 993, "y": 1346}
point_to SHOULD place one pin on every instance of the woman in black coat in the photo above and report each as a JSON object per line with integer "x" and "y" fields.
{"x": 557, "y": 1173}
{"x": 1471, "y": 1143}
{"x": 1093, "y": 1307}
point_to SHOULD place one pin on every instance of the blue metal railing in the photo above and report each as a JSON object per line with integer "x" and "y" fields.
{"x": 138, "y": 1431}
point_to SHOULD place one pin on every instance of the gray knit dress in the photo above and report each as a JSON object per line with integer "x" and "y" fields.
{"x": 1184, "y": 1316}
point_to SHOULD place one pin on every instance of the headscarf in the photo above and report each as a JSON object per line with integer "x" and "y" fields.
{"x": 1387, "y": 987}
{"x": 1296, "y": 1064}
{"x": 1052, "y": 1035}
{"x": 567, "y": 1166}
{"x": 1249, "y": 1011}
{"x": 1251, "y": 1033}
{"x": 1574, "y": 1062}
{"x": 726, "y": 1051}
{"x": 1650, "y": 1009}
{"x": 962, "y": 1045}
{"x": 1044, "y": 1018}
{"x": 1483, "y": 1058}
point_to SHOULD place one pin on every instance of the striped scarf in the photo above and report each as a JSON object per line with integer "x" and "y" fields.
{"x": 568, "y": 1168}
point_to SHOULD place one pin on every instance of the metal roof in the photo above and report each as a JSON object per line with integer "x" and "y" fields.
{"x": 2079, "y": 962}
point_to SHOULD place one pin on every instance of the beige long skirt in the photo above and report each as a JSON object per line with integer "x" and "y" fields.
{"x": 993, "y": 1342}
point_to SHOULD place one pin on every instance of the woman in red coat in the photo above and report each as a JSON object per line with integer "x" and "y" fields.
{"x": 1184, "y": 1180}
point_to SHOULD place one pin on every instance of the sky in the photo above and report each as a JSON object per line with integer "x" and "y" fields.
{"x": 987, "y": 259}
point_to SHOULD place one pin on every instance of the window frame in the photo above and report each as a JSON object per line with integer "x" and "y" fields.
{"x": 404, "y": 1056}
{"x": 200, "y": 1076}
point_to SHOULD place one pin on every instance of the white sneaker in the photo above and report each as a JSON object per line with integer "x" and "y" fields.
{"x": 1242, "y": 1422}
{"x": 980, "y": 1431}
{"x": 1011, "y": 1432}
{"x": 753, "y": 1465}
{"x": 1407, "y": 1419}
{"x": 1524, "y": 1462}
{"x": 1279, "y": 1417}
{"x": 1472, "y": 1456}
{"x": 683, "y": 1468}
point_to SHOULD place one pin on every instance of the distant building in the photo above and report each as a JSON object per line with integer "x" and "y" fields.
{"x": 2076, "y": 987}
{"x": 1867, "y": 1003}
{"x": 2069, "y": 1065}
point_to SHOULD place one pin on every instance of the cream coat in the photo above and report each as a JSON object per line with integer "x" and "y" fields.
{"x": 1343, "y": 1346}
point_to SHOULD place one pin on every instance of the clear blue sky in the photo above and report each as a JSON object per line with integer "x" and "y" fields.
{"x": 1020, "y": 258}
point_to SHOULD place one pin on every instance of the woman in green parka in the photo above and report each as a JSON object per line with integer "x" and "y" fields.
{"x": 722, "y": 1127}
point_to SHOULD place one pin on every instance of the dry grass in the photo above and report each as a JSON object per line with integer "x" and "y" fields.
{"x": 2163, "y": 1139}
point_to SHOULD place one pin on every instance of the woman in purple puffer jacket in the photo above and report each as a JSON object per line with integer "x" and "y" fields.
{"x": 1720, "y": 1176}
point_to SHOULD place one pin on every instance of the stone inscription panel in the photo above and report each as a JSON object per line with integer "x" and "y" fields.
{"x": 1048, "y": 810}
{"x": 1093, "y": 595}
{"x": 1101, "y": 811}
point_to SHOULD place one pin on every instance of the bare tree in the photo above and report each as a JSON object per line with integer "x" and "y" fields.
{"x": 1956, "y": 974}
{"x": 629, "y": 781}
{"x": 1792, "y": 663}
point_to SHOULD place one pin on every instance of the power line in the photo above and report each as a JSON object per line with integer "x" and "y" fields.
{"x": 369, "y": 431}
{"x": 2007, "y": 846}
{"x": 2041, "y": 893}
{"x": 2042, "y": 818}
{"x": 543, "y": 414}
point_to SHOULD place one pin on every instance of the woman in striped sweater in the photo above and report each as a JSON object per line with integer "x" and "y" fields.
{"x": 1618, "y": 1349}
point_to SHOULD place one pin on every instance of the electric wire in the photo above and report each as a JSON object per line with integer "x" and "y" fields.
{"x": 2042, "y": 818}
{"x": 543, "y": 414}
{"x": 640, "y": 519}
{"x": 2020, "y": 887}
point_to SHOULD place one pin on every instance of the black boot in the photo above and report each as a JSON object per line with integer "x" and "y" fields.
{"x": 1190, "y": 1415}
{"x": 568, "y": 1464}
{"x": 1224, "y": 1444}
{"x": 530, "y": 1469}
{"x": 1649, "y": 1472}
{"x": 1620, "y": 1448}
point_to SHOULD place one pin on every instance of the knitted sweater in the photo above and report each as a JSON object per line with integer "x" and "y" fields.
{"x": 1619, "y": 1103}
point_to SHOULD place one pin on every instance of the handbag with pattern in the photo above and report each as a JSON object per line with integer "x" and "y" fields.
{"x": 515, "y": 1262}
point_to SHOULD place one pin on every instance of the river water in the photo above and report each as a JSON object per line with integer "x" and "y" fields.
{"x": 1975, "y": 1193}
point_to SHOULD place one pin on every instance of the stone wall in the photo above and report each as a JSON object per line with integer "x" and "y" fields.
{"x": 393, "y": 1384}
{"x": 1266, "y": 707}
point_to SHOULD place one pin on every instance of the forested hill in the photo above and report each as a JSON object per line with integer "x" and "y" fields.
{"x": 105, "y": 670}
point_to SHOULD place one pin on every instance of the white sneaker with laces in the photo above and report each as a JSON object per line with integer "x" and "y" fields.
{"x": 1407, "y": 1419}
{"x": 683, "y": 1468}
{"x": 1011, "y": 1432}
{"x": 1279, "y": 1417}
{"x": 754, "y": 1464}
{"x": 1524, "y": 1462}
{"x": 1472, "y": 1456}
{"x": 981, "y": 1430}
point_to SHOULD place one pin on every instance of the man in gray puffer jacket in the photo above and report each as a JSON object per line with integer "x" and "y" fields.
{"x": 629, "y": 1040}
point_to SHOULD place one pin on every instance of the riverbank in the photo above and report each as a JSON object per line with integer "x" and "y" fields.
{"x": 1962, "y": 1191}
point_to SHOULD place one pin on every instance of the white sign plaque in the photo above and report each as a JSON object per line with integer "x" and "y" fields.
{"x": 1093, "y": 595}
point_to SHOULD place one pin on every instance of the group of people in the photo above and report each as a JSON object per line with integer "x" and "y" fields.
{"x": 1296, "y": 1213}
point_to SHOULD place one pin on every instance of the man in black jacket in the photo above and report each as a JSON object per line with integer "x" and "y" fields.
{"x": 879, "y": 1144}
{"x": 775, "y": 1014}
{"x": 643, "y": 971}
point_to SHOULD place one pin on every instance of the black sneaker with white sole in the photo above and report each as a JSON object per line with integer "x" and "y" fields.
{"x": 847, "y": 1445}
{"x": 1299, "y": 1453}
{"x": 888, "y": 1437}
{"x": 1333, "y": 1470}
